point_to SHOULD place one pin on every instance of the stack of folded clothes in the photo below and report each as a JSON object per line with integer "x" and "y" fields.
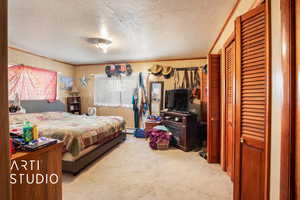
{"x": 159, "y": 137}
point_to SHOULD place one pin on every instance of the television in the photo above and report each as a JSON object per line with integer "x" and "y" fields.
{"x": 177, "y": 100}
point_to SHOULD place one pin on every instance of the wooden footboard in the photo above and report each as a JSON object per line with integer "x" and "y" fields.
{"x": 76, "y": 166}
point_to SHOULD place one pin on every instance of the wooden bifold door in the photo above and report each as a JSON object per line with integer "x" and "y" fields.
{"x": 229, "y": 53}
{"x": 252, "y": 105}
{"x": 213, "y": 114}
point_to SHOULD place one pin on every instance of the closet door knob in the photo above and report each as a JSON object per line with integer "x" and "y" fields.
{"x": 242, "y": 140}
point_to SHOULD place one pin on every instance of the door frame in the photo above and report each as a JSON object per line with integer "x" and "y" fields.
{"x": 224, "y": 110}
{"x": 288, "y": 107}
{"x": 5, "y": 189}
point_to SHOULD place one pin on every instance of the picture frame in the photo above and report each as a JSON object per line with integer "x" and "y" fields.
{"x": 156, "y": 97}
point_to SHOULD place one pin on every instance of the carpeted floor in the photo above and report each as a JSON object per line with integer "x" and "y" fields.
{"x": 132, "y": 171}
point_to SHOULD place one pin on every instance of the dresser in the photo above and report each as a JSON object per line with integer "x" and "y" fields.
{"x": 184, "y": 128}
{"x": 42, "y": 166}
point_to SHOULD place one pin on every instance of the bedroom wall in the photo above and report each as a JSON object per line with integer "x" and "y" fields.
{"x": 242, "y": 7}
{"x": 20, "y": 57}
{"x": 87, "y": 93}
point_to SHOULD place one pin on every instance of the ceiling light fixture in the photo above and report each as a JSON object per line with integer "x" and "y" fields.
{"x": 103, "y": 44}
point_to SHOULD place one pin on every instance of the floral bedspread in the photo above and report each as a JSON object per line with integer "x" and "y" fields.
{"x": 77, "y": 131}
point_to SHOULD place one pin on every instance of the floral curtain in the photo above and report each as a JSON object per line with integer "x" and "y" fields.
{"x": 32, "y": 83}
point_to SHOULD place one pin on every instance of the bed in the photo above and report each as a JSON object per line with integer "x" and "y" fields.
{"x": 85, "y": 137}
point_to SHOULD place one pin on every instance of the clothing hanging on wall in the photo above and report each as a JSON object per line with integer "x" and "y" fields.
{"x": 192, "y": 84}
{"x": 197, "y": 79}
{"x": 196, "y": 92}
{"x": 142, "y": 103}
{"x": 176, "y": 79}
{"x": 182, "y": 85}
{"x": 139, "y": 101}
{"x": 135, "y": 108}
{"x": 185, "y": 81}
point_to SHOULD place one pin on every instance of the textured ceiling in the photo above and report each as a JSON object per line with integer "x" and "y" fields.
{"x": 139, "y": 29}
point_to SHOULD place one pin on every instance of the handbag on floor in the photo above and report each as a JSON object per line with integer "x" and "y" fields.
{"x": 139, "y": 133}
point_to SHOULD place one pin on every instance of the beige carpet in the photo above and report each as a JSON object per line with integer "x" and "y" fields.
{"x": 133, "y": 171}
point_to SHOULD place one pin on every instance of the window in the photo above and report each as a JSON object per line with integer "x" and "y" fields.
{"x": 32, "y": 83}
{"x": 128, "y": 85}
{"x": 115, "y": 91}
{"x": 107, "y": 91}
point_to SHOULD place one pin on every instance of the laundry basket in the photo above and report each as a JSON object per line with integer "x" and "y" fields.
{"x": 163, "y": 145}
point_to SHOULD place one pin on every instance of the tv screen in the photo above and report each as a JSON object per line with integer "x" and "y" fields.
{"x": 177, "y": 100}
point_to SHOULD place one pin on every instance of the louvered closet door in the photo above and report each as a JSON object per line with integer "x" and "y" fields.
{"x": 229, "y": 106}
{"x": 213, "y": 115}
{"x": 252, "y": 100}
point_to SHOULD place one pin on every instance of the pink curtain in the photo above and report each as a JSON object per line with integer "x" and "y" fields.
{"x": 32, "y": 83}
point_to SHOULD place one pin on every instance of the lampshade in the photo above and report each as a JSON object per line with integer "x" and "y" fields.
{"x": 74, "y": 90}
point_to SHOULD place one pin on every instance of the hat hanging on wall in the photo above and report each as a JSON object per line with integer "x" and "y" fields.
{"x": 107, "y": 71}
{"x": 156, "y": 69}
{"x": 118, "y": 70}
{"x": 128, "y": 70}
{"x": 167, "y": 71}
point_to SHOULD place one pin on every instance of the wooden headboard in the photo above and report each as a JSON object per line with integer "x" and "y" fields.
{"x": 37, "y": 106}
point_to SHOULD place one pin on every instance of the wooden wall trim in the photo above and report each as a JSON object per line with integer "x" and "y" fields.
{"x": 230, "y": 39}
{"x": 230, "y": 15}
{"x": 256, "y": 3}
{"x": 37, "y": 55}
{"x": 223, "y": 161}
{"x": 288, "y": 105}
{"x": 238, "y": 49}
{"x": 141, "y": 61}
{"x": 269, "y": 98}
{"x": 5, "y": 189}
{"x": 106, "y": 63}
